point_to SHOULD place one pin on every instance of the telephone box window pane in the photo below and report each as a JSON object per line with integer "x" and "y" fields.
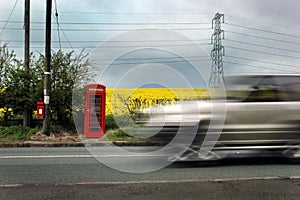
{"x": 94, "y": 129}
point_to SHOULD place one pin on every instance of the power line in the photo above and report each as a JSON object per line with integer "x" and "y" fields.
{"x": 260, "y": 45}
{"x": 158, "y": 62}
{"x": 127, "y": 46}
{"x": 8, "y": 18}
{"x": 260, "y": 67}
{"x": 151, "y": 58}
{"x": 265, "y": 62}
{"x": 111, "y": 30}
{"x": 265, "y": 38}
{"x": 262, "y": 30}
{"x": 57, "y": 23}
{"x": 68, "y": 41}
{"x": 115, "y": 23}
{"x": 111, "y": 41}
{"x": 137, "y": 13}
{"x": 263, "y": 46}
{"x": 128, "y": 13}
{"x": 263, "y": 52}
{"x": 134, "y": 23}
{"x": 263, "y": 22}
{"x": 158, "y": 45}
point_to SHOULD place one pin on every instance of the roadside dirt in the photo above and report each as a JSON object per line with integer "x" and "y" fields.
{"x": 63, "y": 137}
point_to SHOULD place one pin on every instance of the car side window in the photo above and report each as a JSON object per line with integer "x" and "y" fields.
{"x": 289, "y": 88}
{"x": 270, "y": 88}
{"x": 252, "y": 89}
{"x": 238, "y": 88}
{"x": 265, "y": 91}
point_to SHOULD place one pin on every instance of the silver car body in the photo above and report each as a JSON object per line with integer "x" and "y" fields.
{"x": 262, "y": 117}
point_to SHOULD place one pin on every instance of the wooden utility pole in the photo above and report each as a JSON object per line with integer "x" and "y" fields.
{"x": 47, "y": 71}
{"x": 27, "y": 115}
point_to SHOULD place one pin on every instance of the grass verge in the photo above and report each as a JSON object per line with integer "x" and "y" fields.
{"x": 119, "y": 135}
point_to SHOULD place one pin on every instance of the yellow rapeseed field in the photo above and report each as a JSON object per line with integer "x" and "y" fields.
{"x": 121, "y": 101}
{"x": 126, "y": 101}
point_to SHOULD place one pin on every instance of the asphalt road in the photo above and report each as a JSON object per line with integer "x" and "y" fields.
{"x": 73, "y": 173}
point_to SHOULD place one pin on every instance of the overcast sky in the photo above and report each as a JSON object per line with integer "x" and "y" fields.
{"x": 261, "y": 36}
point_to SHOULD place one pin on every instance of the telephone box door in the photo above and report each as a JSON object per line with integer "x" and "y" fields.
{"x": 94, "y": 125}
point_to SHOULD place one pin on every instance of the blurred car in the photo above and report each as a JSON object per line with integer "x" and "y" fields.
{"x": 261, "y": 118}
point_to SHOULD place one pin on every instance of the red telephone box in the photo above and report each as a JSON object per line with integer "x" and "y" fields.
{"x": 40, "y": 109}
{"x": 94, "y": 116}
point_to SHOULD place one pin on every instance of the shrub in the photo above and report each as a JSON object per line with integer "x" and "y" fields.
{"x": 110, "y": 123}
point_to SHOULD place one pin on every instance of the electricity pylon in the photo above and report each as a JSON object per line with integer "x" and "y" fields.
{"x": 217, "y": 74}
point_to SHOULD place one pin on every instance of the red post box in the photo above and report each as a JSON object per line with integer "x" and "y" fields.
{"x": 94, "y": 115}
{"x": 40, "y": 109}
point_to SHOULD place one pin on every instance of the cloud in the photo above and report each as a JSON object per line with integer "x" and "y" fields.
{"x": 272, "y": 15}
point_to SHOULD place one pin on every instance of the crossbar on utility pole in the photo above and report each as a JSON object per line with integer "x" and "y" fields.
{"x": 47, "y": 71}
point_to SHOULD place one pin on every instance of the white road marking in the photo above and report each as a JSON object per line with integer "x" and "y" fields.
{"x": 174, "y": 181}
{"x": 10, "y": 185}
{"x": 161, "y": 181}
{"x": 46, "y": 156}
{"x": 77, "y": 156}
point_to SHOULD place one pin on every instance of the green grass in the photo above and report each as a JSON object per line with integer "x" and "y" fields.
{"x": 118, "y": 135}
{"x": 16, "y": 132}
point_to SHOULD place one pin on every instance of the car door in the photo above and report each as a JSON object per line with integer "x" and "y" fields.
{"x": 250, "y": 119}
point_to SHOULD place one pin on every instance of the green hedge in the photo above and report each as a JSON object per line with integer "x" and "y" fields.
{"x": 16, "y": 132}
